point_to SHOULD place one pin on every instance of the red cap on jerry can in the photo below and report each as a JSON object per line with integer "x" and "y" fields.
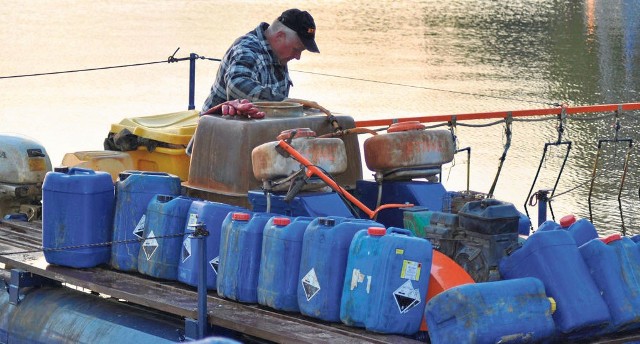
{"x": 567, "y": 220}
{"x": 377, "y": 231}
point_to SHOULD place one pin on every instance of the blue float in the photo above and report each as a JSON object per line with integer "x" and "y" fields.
{"x": 386, "y": 281}
{"x": 211, "y": 214}
{"x": 508, "y": 311}
{"x": 77, "y": 210}
{"x": 325, "y": 248}
{"x": 159, "y": 255}
{"x": 553, "y": 257}
{"x": 280, "y": 262}
{"x": 614, "y": 264}
{"x": 240, "y": 251}
{"x": 134, "y": 191}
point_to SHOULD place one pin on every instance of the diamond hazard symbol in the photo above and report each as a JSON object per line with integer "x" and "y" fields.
{"x": 406, "y": 297}
{"x": 139, "y": 229}
{"x": 310, "y": 284}
{"x": 186, "y": 249}
{"x": 214, "y": 263}
{"x": 149, "y": 246}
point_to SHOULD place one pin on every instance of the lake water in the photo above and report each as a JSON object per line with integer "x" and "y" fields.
{"x": 379, "y": 59}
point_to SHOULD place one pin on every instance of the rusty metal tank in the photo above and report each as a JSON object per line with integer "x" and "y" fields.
{"x": 221, "y": 167}
{"x": 408, "y": 145}
{"x": 327, "y": 153}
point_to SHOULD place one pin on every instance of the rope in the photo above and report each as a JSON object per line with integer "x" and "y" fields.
{"x": 428, "y": 88}
{"x": 108, "y": 243}
{"x": 170, "y": 59}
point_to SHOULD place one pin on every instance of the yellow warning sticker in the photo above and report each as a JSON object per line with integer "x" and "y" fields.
{"x": 410, "y": 270}
{"x": 399, "y": 251}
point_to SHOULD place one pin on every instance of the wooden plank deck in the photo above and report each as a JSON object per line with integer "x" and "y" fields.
{"x": 176, "y": 298}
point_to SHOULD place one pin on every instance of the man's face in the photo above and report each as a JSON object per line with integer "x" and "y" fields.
{"x": 288, "y": 49}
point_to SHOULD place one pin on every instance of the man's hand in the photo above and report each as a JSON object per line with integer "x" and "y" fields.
{"x": 236, "y": 107}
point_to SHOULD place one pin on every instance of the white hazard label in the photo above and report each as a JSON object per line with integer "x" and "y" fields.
{"x": 357, "y": 277}
{"x": 139, "y": 230}
{"x": 193, "y": 220}
{"x": 186, "y": 249}
{"x": 310, "y": 284}
{"x": 149, "y": 246}
{"x": 406, "y": 297}
{"x": 214, "y": 263}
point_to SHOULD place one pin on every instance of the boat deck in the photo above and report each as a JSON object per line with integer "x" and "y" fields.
{"x": 176, "y": 298}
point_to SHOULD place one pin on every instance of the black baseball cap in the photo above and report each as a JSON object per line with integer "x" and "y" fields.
{"x": 302, "y": 23}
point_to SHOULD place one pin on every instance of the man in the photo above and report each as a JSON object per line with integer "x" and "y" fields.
{"x": 255, "y": 66}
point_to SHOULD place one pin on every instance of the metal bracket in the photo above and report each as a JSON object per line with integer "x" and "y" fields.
{"x": 23, "y": 279}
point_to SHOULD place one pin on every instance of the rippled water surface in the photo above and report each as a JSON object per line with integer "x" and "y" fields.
{"x": 379, "y": 59}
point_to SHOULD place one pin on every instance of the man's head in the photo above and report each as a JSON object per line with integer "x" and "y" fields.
{"x": 292, "y": 33}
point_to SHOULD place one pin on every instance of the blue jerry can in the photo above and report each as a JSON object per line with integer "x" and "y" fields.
{"x": 511, "y": 311}
{"x": 211, "y": 214}
{"x": 77, "y": 210}
{"x": 325, "y": 248}
{"x": 240, "y": 251}
{"x": 134, "y": 191}
{"x": 160, "y": 252}
{"x": 386, "y": 280}
{"x": 553, "y": 257}
{"x": 280, "y": 262}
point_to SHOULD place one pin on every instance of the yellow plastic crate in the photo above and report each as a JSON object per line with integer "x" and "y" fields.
{"x": 174, "y": 128}
{"x": 112, "y": 162}
{"x": 170, "y": 160}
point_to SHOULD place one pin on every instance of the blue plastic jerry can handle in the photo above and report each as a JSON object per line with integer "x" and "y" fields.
{"x": 397, "y": 230}
{"x": 80, "y": 170}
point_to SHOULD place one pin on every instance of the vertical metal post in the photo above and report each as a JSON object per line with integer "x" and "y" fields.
{"x": 192, "y": 80}
{"x": 200, "y": 235}
{"x": 543, "y": 200}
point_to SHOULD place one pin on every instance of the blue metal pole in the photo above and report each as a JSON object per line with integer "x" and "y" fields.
{"x": 543, "y": 199}
{"x": 192, "y": 80}
{"x": 201, "y": 235}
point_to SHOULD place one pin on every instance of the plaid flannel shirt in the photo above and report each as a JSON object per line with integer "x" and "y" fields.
{"x": 250, "y": 70}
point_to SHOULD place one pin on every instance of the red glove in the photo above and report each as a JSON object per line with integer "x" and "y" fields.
{"x": 236, "y": 108}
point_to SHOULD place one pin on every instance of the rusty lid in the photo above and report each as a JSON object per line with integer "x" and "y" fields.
{"x": 405, "y": 126}
{"x": 300, "y": 132}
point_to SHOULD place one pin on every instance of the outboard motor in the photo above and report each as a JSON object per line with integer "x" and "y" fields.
{"x": 23, "y": 165}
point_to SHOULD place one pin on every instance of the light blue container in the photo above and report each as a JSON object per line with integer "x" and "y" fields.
{"x": 548, "y": 225}
{"x": 615, "y": 267}
{"x": 508, "y": 311}
{"x": 582, "y": 231}
{"x": 280, "y": 262}
{"x": 77, "y": 210}
{"x": 134, "y": 191}
{"x": 553, "y": 257}
{"x": 386, "y": 281}
{"x": 211, "y": 214}
{"x": 325, "y": 248}
{"x": 163, "y": 231}
{"x": 240, "y": 251}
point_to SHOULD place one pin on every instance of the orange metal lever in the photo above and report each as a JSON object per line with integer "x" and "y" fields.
{"x": 314, "y": 170}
